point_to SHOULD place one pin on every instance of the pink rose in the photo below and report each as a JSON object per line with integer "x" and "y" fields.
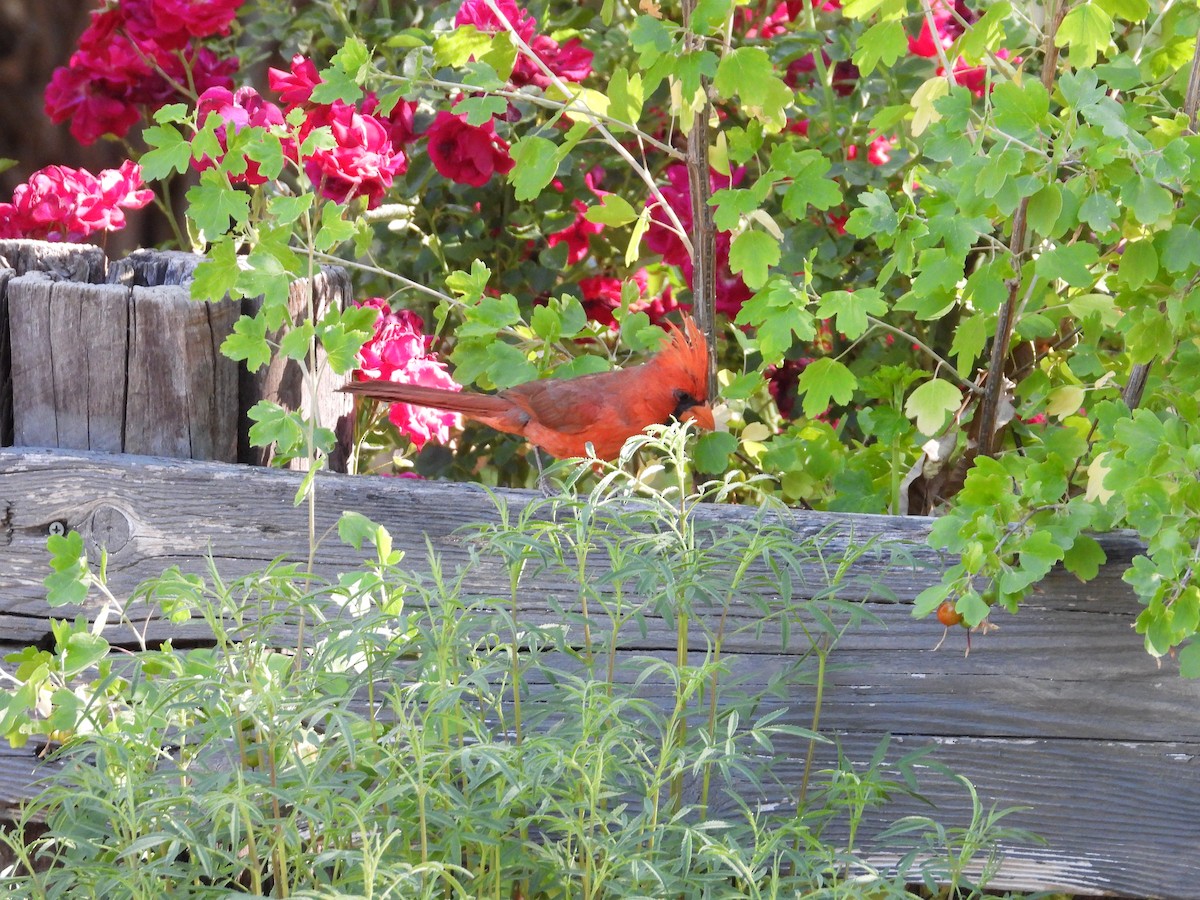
{"x": 467, "y": 154}
{"x": 295, "y": 86}
{"x": 362, "y": 164}
{"x": 199, "y": 18}
{"x": 59, "y": 203}
{"x": 570, "y": 61}
{"x": 399, "y": 351}
{"x": 479, "y": 14}
{"x": 237, "y": 109}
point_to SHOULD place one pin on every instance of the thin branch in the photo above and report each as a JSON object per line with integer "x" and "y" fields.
{"x": 933, "y": 354}
{"x": 547, "y": 103}
{"x": 642, "y": 172}
{"x": 704, "y": 248}
{"x": 989, "y": 408}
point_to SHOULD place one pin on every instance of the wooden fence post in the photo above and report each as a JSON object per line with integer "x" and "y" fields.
{"x": 119, "y": 358}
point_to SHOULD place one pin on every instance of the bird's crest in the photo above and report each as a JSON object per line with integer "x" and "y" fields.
{"x": 686, "y": 351}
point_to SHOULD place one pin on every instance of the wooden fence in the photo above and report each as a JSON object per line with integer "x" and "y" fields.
{"x": 1060, "y": 711}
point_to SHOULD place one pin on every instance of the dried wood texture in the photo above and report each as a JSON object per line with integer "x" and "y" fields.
{"x": 69, "y": 262}
{"x": 1060, "y": 710}
{"x": 62, "y": 262}
{"x": 123, "y": 369}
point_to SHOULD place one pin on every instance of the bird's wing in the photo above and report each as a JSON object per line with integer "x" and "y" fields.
{"x": 569, "y": 405}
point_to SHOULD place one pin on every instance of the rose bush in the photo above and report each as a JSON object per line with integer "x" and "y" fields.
{"x": 953, "y": 258}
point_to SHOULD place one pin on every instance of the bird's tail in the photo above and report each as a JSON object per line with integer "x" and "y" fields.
{"x": 472, "y": 405}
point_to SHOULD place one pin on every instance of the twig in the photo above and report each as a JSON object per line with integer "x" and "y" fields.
{"x": 642, "y": 172}
{"x": 1006, "y": 319}
{"x": 704, "y": 300}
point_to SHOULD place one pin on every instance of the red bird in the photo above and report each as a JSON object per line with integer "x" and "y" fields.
{"x": 562, "y": 416}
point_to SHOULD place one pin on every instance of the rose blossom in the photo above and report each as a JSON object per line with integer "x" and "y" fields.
{"x": 59, "y": 203}
{"x": 602, "y": 297}
{"x": 239, "y": 109}
{"x": 467, "y": 154}
{"x": 399, "y": 351}
{"x": 295, "y": 86}
{"x": 479, "y": 14}
{"x": 362, "y": 164}
{"x": 126, "y": 61}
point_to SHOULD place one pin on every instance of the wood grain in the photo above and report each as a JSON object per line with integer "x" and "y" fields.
{"x": 1060, "y": 710}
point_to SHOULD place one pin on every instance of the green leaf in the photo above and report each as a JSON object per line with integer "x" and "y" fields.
{"x": 286, "y": 210}
{"x": 1181, "y": 249}
{"x": 1139, "y": 264}
{"x": 751, "y": 254}
{"x": 1149, "y": 200}
{"x": 1189, "y": 660}
{"x": 469, "y": 286}
{"x": 215, "y": 206}
{"x": 82, "y": 651}
{"x": 535, "y": 163}
{"x": 1129, "y": 10}
{"x": 987, "y": 33}
{"x": 1044, "y": 209}
{"x": 295, "y": 343}
{"x": 778, "y": 311}
{"x": 880, "y": 45}
{"x": 343, "y": 78}
{"x": 1085, "y": 558}
{"x": 875, "y": 217}
{"x": 709, "y": 15}
{"x": 1098, "y": 211}
{"x": 218, "y": 274}
{"x": 824, "y": 380}
{"x": 860, "y": 9}
{"x": 626, "y": 96}
{"x": 748, "y": 73}
{"x": 248, "y": 342}
{"x": 355, "y": 529}
{"x": 1087, "y": 31}
{"x": 612, "y": 210}
{"x": 335, "y": 226}
{"x": 507, "y": 365}
{"x": 851, "y": 309}
{"x": 650, "y": 38}
{"x": 930, "y": 405}
{"x": 480, "y": 109}
{"x": 711, "y": 455}
{"x": 1021, "y": 110}
{"x": 1071, "y": 263}
{"x": 970, "y": 337}
{"x": 731, "y": 204}
{"x": 809, "y": 185}
{"x": 169, "y": 153}
{"x": 456, "y": 48}
{"x": 68, "y": 583}
{"x": 278, "y": 426}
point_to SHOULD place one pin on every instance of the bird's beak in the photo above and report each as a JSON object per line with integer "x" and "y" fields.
{"x": 701, "y": 415}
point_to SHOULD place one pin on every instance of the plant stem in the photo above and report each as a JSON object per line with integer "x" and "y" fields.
{"x": 989, "y": 408}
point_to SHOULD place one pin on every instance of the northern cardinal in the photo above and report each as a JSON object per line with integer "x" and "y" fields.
{"x": 562, "y": 416}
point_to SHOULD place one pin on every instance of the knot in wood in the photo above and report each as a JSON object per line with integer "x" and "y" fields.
{"x": 109, "y": 528}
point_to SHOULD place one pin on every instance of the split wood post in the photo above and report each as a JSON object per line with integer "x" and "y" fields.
{"x": 70, "y": 262}
{"x": 119, "y": 358}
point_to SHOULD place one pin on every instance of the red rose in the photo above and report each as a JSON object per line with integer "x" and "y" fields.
{"x": 467, "y": 154}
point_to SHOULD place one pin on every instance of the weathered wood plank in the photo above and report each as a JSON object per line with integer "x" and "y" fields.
{"x": 62, "y": 262}
{"x": 69, "y": 345}
{"x": 6, "y": 395}
{"x": 1060, "y": 709}
{"x": 183, "y": 393}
